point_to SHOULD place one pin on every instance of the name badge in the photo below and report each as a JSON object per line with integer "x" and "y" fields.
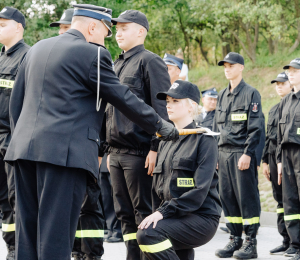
{"x": 298, "y": 131}
{"x": 238, "y": 117}
{"x": 185, "y": 182}
{"x": 5, "y": 83}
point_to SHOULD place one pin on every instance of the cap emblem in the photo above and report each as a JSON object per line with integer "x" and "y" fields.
{"x": 123, "y": 13}
{"x": 165, "y": 56}
{"x": 281, "y": 75}
{"x": 174, "y": 86}
{"x": 63, "y": 16}
{"x": 214, "y": 89}
{"x": 3, "y": 10}
{"x": 227, "y": 56}
{"x": 295, "y": 61}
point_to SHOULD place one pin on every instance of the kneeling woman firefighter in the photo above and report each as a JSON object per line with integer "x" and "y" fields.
{"x": 185, "y": 200}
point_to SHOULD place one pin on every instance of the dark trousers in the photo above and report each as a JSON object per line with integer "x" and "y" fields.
{"x": 176, "y": 238}
{"x": 90, "y": 229}
{"x": 132, "y": 197}
{"x": 48, "y": 202}
{"x": 7, "y": 201}
{"x": 239, "y": 193}
{"x": 277, "y": 194}
{"x": 291, "y": 192}
{"x": 113, "y": 225}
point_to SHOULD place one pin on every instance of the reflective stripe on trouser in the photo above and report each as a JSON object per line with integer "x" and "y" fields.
{"x": 277, "y": 194}
{"x": 8, "y": 223}
{"x": 239, "y": 193}
{"x": 176, "y": 238}
{"x": 90, "y": 229}
{"x": 132, "y": 197}
{"x": 291, "y": 192}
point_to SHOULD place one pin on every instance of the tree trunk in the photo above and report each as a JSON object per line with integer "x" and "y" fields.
{"x": 297, "y": 16}
{"x": 271, "y": 45}
{"x": 186, "y": 37}
{"x": 203, "y": 52}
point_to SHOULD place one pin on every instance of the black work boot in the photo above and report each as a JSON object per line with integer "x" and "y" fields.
{"x": 279, "y": 249}
{"x": 234, "y": 244}
{"x": 11, "y": 252}
{"x": 290, "y": 252}
{"x": 248, "y": 250}
{"x": 77, "y": 256}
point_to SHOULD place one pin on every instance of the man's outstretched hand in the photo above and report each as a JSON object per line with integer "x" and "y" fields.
{"x": 168, "y": 132}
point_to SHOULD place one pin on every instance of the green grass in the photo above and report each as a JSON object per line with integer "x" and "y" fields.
{"x": 258, "y": 75}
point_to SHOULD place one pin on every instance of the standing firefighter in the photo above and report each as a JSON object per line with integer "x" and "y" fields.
{"x": 56, "y": 127}
{"x": 288, "y": 150}
{"x": 283, "y": 88}
{"x": 133, "y": 151}
{"x": 238, "y": 119}
{"x": 12, "y": 24}
{"x": 65, "y": 21}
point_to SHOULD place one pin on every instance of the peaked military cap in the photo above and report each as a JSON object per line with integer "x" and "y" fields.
{"x": 66, "y": 18}
{"x": 97, "y": 12}
{"x": 212, "y": 92}
{"x": 173, "y": 60}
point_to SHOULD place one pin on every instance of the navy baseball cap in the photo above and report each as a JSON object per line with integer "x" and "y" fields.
{"x": 233, "y": 58}
{"x": 295, "y": 63}
{"x": 96, "y": 12}
{"x": 173, "y": 60}
{"x": 282, "y": 77}
{"x": 181, "y": 89}
{"x": 66, "y": 18}
{"x": 11, "y": 13}
{"x": 132, "y": 16}
{"x": 212, "y": 92}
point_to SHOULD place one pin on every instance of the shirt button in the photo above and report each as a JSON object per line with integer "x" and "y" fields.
{"x": 97, "y": 140}
{"x": 158, "y": 122}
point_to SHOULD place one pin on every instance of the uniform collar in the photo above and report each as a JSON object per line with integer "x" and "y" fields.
{"x": 131, "y": 52}
{"x": 297, "y": 95}
{"x": 76, "y": 33}
{"x": 237, "y": 89}
{"x": 191, "y": 125}
{"x": 11, "y": 50}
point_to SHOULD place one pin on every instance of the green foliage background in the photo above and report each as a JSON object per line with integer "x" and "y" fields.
{"x": 204, "y": 29}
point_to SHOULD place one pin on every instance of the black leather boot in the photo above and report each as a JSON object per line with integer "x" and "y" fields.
{"x": 77, "y": 256}
{"x": 11, "y": 252}
{"x": 234, "y": 244}
{"x": 248, "y": 250}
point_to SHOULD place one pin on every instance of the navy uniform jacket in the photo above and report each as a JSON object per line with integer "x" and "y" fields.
{"x": 53, "y": 103}
{"x": 207, "y": 121}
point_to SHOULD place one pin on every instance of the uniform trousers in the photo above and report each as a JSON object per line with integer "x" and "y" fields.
{"x": 277, "y": 194}
{"x": 113, "y": 225}
{"x": 175, "y": 238}
{"x": 291, "y": 192}
{"x": 7, "y": 201}
{"x": 48, "y": 202}
{"x": 90, "y": 229}
{"x": 239, "y": 193}
{"x": 132, "y": 197}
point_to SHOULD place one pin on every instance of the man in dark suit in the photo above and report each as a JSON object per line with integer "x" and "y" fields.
{"x": 55, "y": 126}
{"x": 209, "y": 101}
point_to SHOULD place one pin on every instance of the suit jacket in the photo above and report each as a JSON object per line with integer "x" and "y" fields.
{"x": 207, "y": 121}
{"x": 53, "y": 103}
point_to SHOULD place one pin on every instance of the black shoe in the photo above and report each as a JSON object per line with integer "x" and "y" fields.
{"x": 290, "y": 252}
{"x": 279, "y": 249}
{"x": 114, "y": 240}
{"x": 11, "y": 252}
{"x": 296, "y": 256}
{"x": 77, "y": 256}
{"x": 248, "y": 250}
{"x": 107, "y": 235}
{"x": 225, "y": 229}
{"x": 234, "y": 244}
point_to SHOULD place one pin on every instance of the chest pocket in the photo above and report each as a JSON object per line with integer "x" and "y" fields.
{"x": 282, "y": 123}
{"x": 297, "y": 123}
{"x": 238, "y": 115}
{"x": 221, "y": 115}
{"x": 135, "y": 85}
{"x": 7, "y": 79}
{"x": 183, "y": 174}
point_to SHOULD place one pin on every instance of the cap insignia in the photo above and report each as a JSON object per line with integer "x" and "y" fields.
{"x": 174, "y": 86}
{"x": 3, "y": 10}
